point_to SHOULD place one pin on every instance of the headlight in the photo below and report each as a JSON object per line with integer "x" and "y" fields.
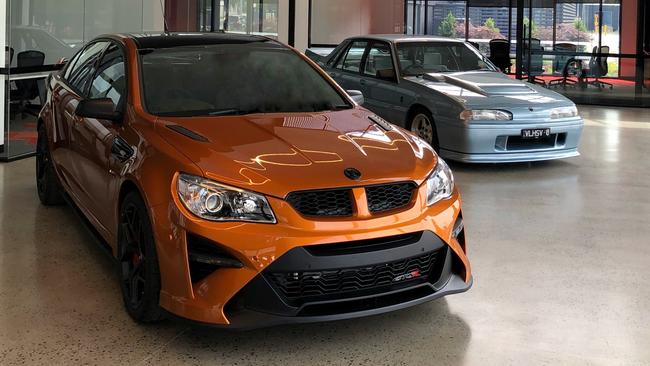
{"x": 213, "y": 201}
{"x": 564, "y": 112}
{"x": 440, "y": 184}
{"x": 485, "y": 115}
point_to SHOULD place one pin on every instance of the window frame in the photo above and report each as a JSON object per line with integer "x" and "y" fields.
{"x": 84, "y": 92}
{"x": 344, "y": 54}
{"x": 122, "y": 50}
{"x": 392, "y": 60}
{"x": 336, "y": 54}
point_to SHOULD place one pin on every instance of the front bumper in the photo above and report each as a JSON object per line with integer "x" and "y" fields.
{"x": 333, "y": 286}
{"x": 250, "y": 319}
{"x": 501, "y": 143}
{"x": 222, "y": 298}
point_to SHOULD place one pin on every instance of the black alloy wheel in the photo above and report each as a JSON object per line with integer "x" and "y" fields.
{"x": 47, "y": 184}
{"x": 139, "y": 271}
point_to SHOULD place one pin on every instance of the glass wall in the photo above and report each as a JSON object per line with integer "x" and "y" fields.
{"x": 580, "y": 48}
{"x": 446, "y": 18}
{"x": 487, "y": 21}
{"x": 240, "y": 16}
{"x": 39, "y": 36}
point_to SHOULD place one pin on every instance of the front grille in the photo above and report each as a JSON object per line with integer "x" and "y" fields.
{"x": 389, "y": 196}
{"x": 336, "y": 202}
{"x": 300, "y": 287}
{"x": 339, "y": 202}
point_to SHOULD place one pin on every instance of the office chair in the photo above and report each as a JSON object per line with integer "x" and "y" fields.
{"x": 500, "y": 54}
{"x": 26, "y": 90}
{"x": 567, "y": 63}
{"x": 535, "y": 66}
{"x": 598, "y": 67}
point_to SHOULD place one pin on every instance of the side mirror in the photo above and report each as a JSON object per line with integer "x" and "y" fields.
{"x": 357, "y": 96}
{"x": 102, "y": 108}
{"x": 386, "y": 74}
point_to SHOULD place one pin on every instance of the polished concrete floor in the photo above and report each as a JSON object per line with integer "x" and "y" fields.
{"x": 560, "y": 250}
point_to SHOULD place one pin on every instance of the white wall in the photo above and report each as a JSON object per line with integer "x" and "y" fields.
{"x": 387, "y": 16}
{"x": 283, "y": 21}
{"x": 152, "y": 16}
{"x": 335, "y": 20}
{"x": 302, "y": 25}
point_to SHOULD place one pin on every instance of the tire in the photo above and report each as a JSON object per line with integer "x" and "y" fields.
{"x": 138, "y": 262}
{"x": 49, "y": 190}
{"x": 421, "y": 124}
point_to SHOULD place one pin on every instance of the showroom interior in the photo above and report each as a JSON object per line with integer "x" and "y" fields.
{"x": 559, "y": 248}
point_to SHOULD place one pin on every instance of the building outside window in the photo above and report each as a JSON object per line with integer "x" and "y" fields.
{"x": 579, "y": 40}
{"x": 240, "y": 16}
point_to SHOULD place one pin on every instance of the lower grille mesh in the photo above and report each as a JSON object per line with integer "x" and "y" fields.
{"x": 310, "y": 285}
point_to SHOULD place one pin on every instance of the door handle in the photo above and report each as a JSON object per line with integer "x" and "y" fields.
{"x": 362, "y": 82}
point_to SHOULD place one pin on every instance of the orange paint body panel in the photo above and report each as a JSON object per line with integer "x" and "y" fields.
{"x": 272, "y": 154}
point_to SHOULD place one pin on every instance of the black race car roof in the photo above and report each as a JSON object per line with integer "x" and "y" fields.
{"x": 169, "y": 40}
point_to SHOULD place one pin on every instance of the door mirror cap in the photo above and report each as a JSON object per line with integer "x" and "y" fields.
{"x": 357, "y": 96}
{"x": 102, "y": 108}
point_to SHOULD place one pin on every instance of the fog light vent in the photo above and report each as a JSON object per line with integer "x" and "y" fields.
{"x": 459, "y": 232}
{"x": 205, "y": 257}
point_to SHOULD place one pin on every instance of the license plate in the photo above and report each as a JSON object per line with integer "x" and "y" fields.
{"x": 535, "y": 133}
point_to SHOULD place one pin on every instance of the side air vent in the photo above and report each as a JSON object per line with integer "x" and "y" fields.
{"x": 205, "y": 257}
{"x": 187, "y": 133}
{"x": 381, "y": 122}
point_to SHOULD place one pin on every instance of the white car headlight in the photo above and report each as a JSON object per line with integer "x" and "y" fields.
{"x": 440, "y": 184}
{"x": 213, "y": 201}
{"x": 485, "y": 115}
{"x": 564, "y": 112}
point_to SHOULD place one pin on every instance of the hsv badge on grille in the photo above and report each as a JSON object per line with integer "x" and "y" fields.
{"x": 408, "y": 276}
{"x": 352, "y": 173}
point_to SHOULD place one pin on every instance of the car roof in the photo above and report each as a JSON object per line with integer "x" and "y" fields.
{"x": 173, "y": 39}
{"x": 397, "y": 38}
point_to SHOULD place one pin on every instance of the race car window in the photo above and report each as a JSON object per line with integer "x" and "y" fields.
{"x": 351, "y": 61}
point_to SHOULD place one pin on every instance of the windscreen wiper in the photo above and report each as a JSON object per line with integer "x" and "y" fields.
{"x": 221, "y": 112}
{"x": 233, "y": 111}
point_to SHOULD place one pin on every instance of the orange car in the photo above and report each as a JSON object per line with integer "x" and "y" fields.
{"x": 236, "y": 184}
